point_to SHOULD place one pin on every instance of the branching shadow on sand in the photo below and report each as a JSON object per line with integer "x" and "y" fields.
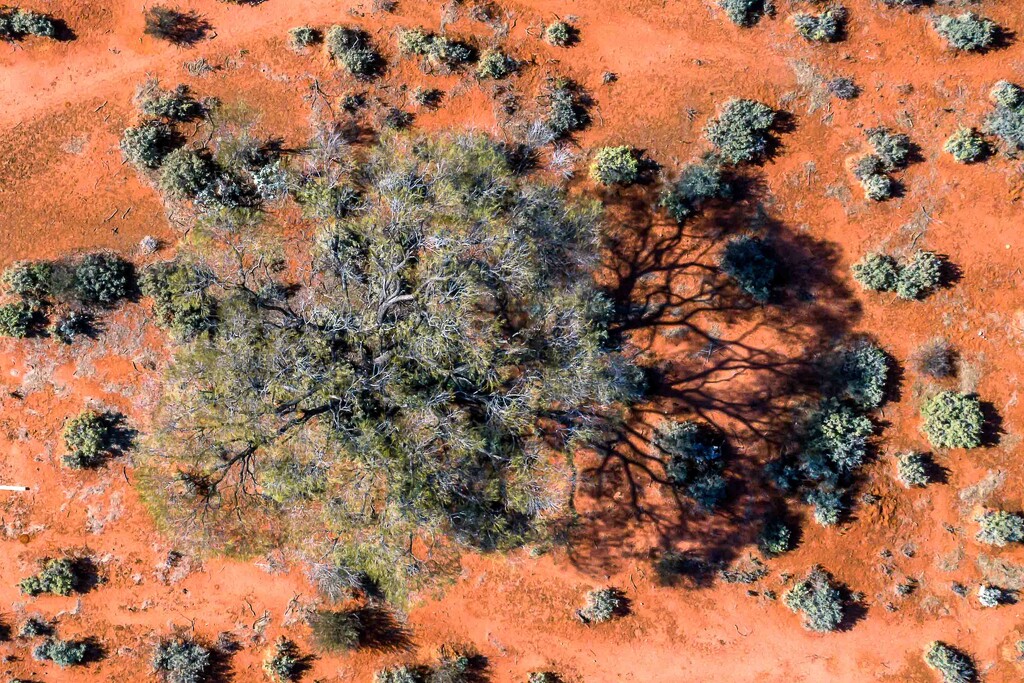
{"x": 719, "y": 358}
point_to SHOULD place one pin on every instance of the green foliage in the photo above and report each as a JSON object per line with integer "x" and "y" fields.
{"x": 826, "y": 27}
{"x": 913, "y": 469}
{"x": 186, "y": 173}
{"x": 86, "y": 437}
{"x": 603, "y": 604}
{"x": 336, "y": 630}
{"x": 1006, "y": 94}
{"x": 775, "y": 538}
{"x": 698, "y": 184}
{"x": 495, "y": 64}
{"x": 173, "y": 105}
{"x": 953, "y": 420}
{"x": 877, "y": 186}
{"x": 836, "y": 441}
{"x": 567, "y": 112}
{"x": 818, "y": 599}
{"x": 182, "y": 660}
{"x": 999, "y": 527}
{"x": 34, "y": 627}
{"x": 695, "y": 461}
{"x": 180, "y": 297}
{"x": 877, "y": 272}
{"x": 953, "y": 665}
{"x": 920, "y": 276}
{"x": 828, "y": 505}
{"x": 616, "y": 166}
{"x": 25, "y": 22}
{"x": 966, "y": 145}
{"x": 102, "y": 279}
{"x": 63, "y": 653}
{"x": 893, "y": 149}
{"x": 352, "y": 49}
{"x": 744, "y": 12}
{"x": 57, "y": 577}
{"x": 304, "y": 36}
{"x": 559, "y": 34}
{"x": 30, "y": 279}
{"x": 398, "y": 674}
{"x": 1007, "y": 121}
{"x": 437, "y": 51}
{"x": 740, "y": 132}
{"x": 148, "y": 144}
{"x": 753, "y": 264}
{"x": 414, "y": 41}
{"x": 967, "y": 32}
{"x": 16, "y": 319}
{"x": 862, "y": 372}
{"x": 281, "y": 662}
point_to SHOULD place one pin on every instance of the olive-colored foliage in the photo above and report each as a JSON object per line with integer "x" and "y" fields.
{"x": 16, "y": 319}
{"x": 102, "y": 279}
{"x": 185, "y": 173}
{"x": 149, "y": 143}
{"x": 281, "y": 661}
{"x": 754, "y": 265}
{"x": 952, "y": 664}
{"x": 1007, "y": 121}
{"x": 182, "y": 660}
{"x": 495, "y": 64}
{"x": 999, "y": 528}
{"x": 56, "y": 577}
{"x": 836, "y": 441}
{"x": 744, "y": 13}
{"x": 877, "y": 272}
{"x": 172, "y": 105}
{"x": 818, "y": 599}
{"x": 967, "y": 32}
{"x": 87, "y": 437}
{"x": 304, "y": 36}
{"x": 566, "y": 108}
{"x": 616, "y": 166}
{"x": 34, "y": 627}
{"x": 17, "y": 23}
{"x": 603, "y": 604}
{"x": 826, "y": 27}
{"x": 29, "y": 279}
{"x": 698, "y": 184}
{"x": 740, "y": 131}
{"x": 893, "y": 149}
{"x": 180, "y": 298}
{"x": 63, "y": 653}
{"x": 776, "y": 538}
{"x": 828, "y": 504}
{"x": 911, "y": 279}
{"x": 695, "y": 461}
{"x": 353, "y": 50}
{"x": 437, "y": 52}
{"x": 966, "y": 145}
{"x": 953, "y": 420}
{"x": 560, "y": 34}
{"x": 336, "y": 630}
{"x": 448, "y": 345}
{"x": 913, "y": 469}
{"x": 862, "y": 372}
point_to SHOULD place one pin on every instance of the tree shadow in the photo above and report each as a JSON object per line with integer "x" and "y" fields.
{"x": 379, "y": 630}
{"x": 184, "y": 29}
{"x": 992, "y": 428}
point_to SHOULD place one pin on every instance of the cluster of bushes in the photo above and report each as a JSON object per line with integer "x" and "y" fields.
{"x": 57, "y": 577}
{"x": 603, "y": 604}
{"x": 17, "y": 23}
{"x": 182, "y": 660}
{"x": 967, "y": 32}
{"x": 88, "y": 437}
{"x": 437, "y": 52}
{"x": 567, "y": 107}
{"x": 353, "y": 50}
{"x": 740, "y": 132}
{"x": 744, "y": 13}
{"x": 454, "y": 664}
{"x": 966, "y": 145}
{"x": 826, "y": 27}
{"x": 1007, "y": 120}
{"x": 952, "y": 664}
{"x": 818, "y": 599}
{"x": 63, "y": 653}
{"x": 1000, "y": 528}
{"x": 892, "y": 152}
{"x": 911, "y": 279}
{"x": 695, "y": 461}
{"x": 953, "y": 420}
{"x": 753, "y": 264}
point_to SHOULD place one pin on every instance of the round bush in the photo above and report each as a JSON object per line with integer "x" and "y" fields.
{"x": 303, "y": 36}
{"x": 775, "y": 538}
{"x": 185, "y": 174}
{"x": 495, "y": 64}
{"x": 953, "y": 665}
{"x": 16, "y": 319}
{"x": 698, "y": 184}
{"x": 181, "y": 660}
{"x": 876, "y": 272}
{"x": 559, "y": 34}
{"x": 740, "y": 131}
{"x": 351, "y": 48}
{"x": 603, "y": 604}
{"x": 818, "y": 600}
{"x": 920, "y": 276}
{"x": 953, "y": 420}
{"x": 33, "y": 279}
{"x": 1000, "y": 528}
{"x": 913, "y": 469}
{"x": 862, "y": 373}
{"x": 102, "y": 279}
{"x": 753, "y": 264}
{"x": 63, "y": 653}
{"x": 148, "y": 144}
{"x": 616, "y": 166}
{"x": 967, "y": 32}
{"x": 966, "y": 145}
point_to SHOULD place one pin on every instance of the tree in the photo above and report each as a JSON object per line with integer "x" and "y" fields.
{"x": 440, "y": 349}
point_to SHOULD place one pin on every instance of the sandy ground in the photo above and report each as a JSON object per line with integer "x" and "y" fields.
{"x": 63, "y": 188}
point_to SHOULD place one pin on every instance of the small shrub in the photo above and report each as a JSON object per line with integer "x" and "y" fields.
{"x": 31, "y": 279}
{"x": 892, "y": 149}
{"x": 828, "y": 505}
{"x": 990, "y": 596}
{"x": 86, "y": 437}
{"x": 743, "y": 13}
{"x": 913, "y": 469}
{"x": 953, "y": 665}
{"x": 698, "y": 184}
{"x": 920, "y": 276}
{"x": 336, "y": 630}
{"x": 1007, "y": 121}
{"x": 68, "y": 326}
{"x": 843, "y": 88}
{"x": 862, "y": 373}
{"x": 148, "y": 144}
{"x": 953, "y": 420}
{"x": 436, "y": 51}
{"x": 185, "y": 174}
{"x": 398, "y": 674}
{"x": 35, "y": 627}
{"x": 876, "y": 272}
{"x": 102, "y": 279}
{"x": 567, "y": 112}
{"x": 1000, "y": 528}
{"x": 967, "y": 32}
{"x": 966, "y": 145}
{"x": 495, "y": 64}
{"x": 935, "y": 359}
{"x": 302, "y": 37}
{"x": 173, "y": 105}
{"x": 695, "y": 461}
{"x": 63, "y": 653}
{"x": 352, "y": 49}
{"x": 836, "y": 440}
{"x": 878, "y": 186}
{"x": 542, "y": 677}
{"x": 28, "y": 23}
{"x": 616, "y": 166}
{"x": 182, "y": 660}
{"x": 818, "y": 599}
{"x": 16, "y": 319}
{"x": 560, "y": 34}
{"x": 1006, "y": 94}
{"x": 775, "y": 538}
{"x": 414, "y": 41}
{"x": 57, "y": 577}
{"x": 180, "y": 28}
{"x": 281, "y": 662}
{"x": 752, "y": 263}
{"x": 180, "y": 301}
{"x": 740, "y": 132}
{"x": 603, "y": 604}
{"x": 826, "y": 27}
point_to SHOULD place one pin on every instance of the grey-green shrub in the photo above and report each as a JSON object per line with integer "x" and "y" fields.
{"x": 352, "y": 49}
{"x": 173, "y": 105}
{"x": 876, "y": 272}
{"x": 893, "y": 149}
{"x": 102, "y": 279}
{"x": 398, "y": 674}
{"x": 740, "y": 131}
{"x": 25, "y": 22}
{"x": 818, "y": 600}
{"x": 86, "y": 437}
{"x": 776, "y": 538}
{"x": 743, "y": 13}
{"x": 282, "y": 663}
{"x": 57, "y": 577}
{"x": 999, "y": 527}
{"x": 185, "y": 174}
{"x": 436, "y": 51}
{"x": 16, "y": 319}
{"x": 953, "y": 420}
{"x": 695, "y": 460}
{"x": 182, "y": 660}
{"x": 862, "y": 372}
{"x": 180, "y": 299}
{"x": 1006, "y": 94}
{"x": 828, "y": 505}
{"x": 303, "y": 36}
{"x": 495, "y": 64}
{"x": 698, "y": 183}
{"x": 990, "y": 596}
{"x": 63, "y": 653}
{"x": 603, "y": 604}
{"x": 826, "y": 27}
{"x": 953, "y": 665}
{"x": 34, "y": 627}
{"x": 148, "y": 143}
{"x": 876, "y": 183}
{"x": 566, "y": 111}
{"x": 31, "y": 279}
{"x": 966, "y": 145}
{"x": 559, "y": 33}
{"x": 920, "y": 276}
{"x": 616, "y": 166}
{"x": 913, "y": 469}
{"x": 753, "y": 264}
{"x": 967, "y": 32}
{"x": 836, "y": 440}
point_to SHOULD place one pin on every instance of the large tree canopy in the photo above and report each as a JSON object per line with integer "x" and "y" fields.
{"x": 425, "y": 363}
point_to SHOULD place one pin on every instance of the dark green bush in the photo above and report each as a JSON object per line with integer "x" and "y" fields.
{"x": 695, "y": 461}
{"x": 920, "y": 276}
{"x": 953, "y": 420}
{"x": 862, "y": 372}
{"x": 304, "y": 36}
{"x": 616, "y": 166}
{"x": 182, "y": 660}
{"x": 828, "y": 504}
{"x": 63, "y": 653}
{"x": 740, "y": 132}
{"x": 953, "y": 665}
{"x": 185, "y": 174}
{"x": 336, "y": 630}
{"x": 30, "y": 279}
{"x": 86, "y": 437}
{"x": 1000, "y": 528}
{"x": 180, "y": 298}
{"x": 966, "y": 145}
{"x": 836, "y": 440}
{"x": 877, "y": 272}
{"x": 281, "y": 662}
{"x": 698, "y": 184}
{"x": 775, "y": 538}
{"x": 819, "y": 601}
{"x": 967, "y": 32}
{"x": 173, "y": 105}
{"x": 567, "y": 112}
{"x": 57, "y": 577}
{"x": 744, "y": 12}
{"x": 102, "y": 279}
{"x": 495, "y": 64}
{"x": 16, "y": 319}
{"x": 603, "y": 604}
{"x": 25, "y": 22}
{"x": 913, "y": 469}
{"x": 352, "y": 49}
{"x": 1006, "y": 94}
{"x": 826, "y": 27}
{"x": 753, "y": 264}
{"x": 149, "y": 143}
